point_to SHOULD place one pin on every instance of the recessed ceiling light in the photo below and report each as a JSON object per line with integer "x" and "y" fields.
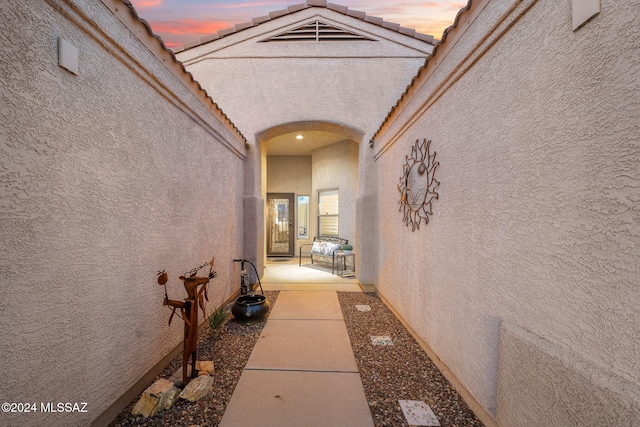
{"x": 299, "y": 137}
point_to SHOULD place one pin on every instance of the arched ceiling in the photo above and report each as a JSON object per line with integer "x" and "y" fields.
{"x": 289, "y": 145}
{"x": 283, "y": 139}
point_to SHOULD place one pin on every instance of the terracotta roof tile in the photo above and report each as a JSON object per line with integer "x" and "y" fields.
{"x": 391, "y": 26}
{"x": 260, "y": 19}
{"x": 223, "y": 33}
{"x": 296, "y": 7}
{"x": 243, "y": 26}
{"x": 315, "y": 3}
{"x": 160, "y": 42}
{"x": 409, "y": 32}
{"x": 209, "y": 38}
{"x": 356, "y": 14}
{"x": 191, "y": 44}
{"x": 277, "y": 14}
{"x": 338, "y": 8}
{"x": 425, "y": 38}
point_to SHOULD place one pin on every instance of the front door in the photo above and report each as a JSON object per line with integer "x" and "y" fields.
{"x": 280, "y": 235}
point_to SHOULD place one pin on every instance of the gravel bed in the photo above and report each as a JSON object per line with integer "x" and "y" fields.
{"x": 230, "y": 351}
{"x": 401, "y": 371}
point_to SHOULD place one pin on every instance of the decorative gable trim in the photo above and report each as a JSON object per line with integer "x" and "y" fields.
{"x": 316, "y": 31}
{"x": 362, "y": 16}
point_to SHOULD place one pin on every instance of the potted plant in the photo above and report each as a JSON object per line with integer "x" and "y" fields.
{"x": 347, "y": 249}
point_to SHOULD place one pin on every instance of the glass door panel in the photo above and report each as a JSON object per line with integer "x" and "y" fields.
{"x": 280, "y": 236}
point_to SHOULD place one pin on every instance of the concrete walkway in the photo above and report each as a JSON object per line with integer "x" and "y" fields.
{"x": 302, "y": 371}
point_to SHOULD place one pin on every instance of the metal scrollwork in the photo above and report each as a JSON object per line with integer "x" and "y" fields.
{"x": 418, "y": 185}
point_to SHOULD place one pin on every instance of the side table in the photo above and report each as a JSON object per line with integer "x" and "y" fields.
{"x": 342, "y": 264}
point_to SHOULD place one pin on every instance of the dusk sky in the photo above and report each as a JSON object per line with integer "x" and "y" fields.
{"x": 181, "y": 21}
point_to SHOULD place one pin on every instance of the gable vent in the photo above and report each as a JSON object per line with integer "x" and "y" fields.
{"x": 316, "y": 31}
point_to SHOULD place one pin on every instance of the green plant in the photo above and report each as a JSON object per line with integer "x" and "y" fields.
{"x": 347, "y": 247}
{"x": 217, "y": 318}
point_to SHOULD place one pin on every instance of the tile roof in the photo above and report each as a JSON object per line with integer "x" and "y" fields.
{"x": 203, "y": 92}
{"x": 306, "y": 5}
{"x": 422, "y": 70}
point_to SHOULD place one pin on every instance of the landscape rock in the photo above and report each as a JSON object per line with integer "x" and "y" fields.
{"x": 157, "y": 397}
{"x": 197, "y": 388}
{"x": 205, "y": 365}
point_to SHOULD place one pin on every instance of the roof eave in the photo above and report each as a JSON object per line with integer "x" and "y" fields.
{"x": 362, "y": 16}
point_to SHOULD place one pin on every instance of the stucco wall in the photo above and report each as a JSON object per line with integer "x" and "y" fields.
{"x": 107, "y": 177}
{"x": 336, "y": 167}
{"x": 536, "y": 130}
{"x": 265, "y": 84}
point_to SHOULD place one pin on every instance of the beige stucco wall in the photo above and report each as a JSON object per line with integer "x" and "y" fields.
{"x": 264, "y": 85}
{"x": 536, "y": 130}
{"x": 336, "y": 167}
{"x": 106, "y": 178}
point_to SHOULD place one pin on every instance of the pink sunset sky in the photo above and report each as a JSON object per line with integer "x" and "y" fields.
{"x": 181, "y": 21}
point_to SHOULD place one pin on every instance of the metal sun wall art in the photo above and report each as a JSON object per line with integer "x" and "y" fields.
{"x": 418, "y": 185}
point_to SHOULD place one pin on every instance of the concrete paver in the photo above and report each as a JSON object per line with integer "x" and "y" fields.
{"x": 302, "y": 371}
{"x": 309, "y": 399}
{"x": 307, "y": 305}
{"x": 311, "y": 345}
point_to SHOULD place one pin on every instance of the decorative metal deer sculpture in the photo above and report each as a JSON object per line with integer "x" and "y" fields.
{"x": 196, "y": 287}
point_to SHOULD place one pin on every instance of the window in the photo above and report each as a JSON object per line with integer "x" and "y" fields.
{"x": 328, "y": 208}
{"x": 303, "y": 217}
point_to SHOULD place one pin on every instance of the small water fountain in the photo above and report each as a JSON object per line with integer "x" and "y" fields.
{"x": 249, "y": 306}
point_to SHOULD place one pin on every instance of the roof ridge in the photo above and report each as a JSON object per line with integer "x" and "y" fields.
{"x": 306, "y": 5}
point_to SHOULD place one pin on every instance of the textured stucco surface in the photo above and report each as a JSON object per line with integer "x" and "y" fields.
{"x": 118, "y": 172}
{"x": 530, "y": 369}
{"x": 536, "y": 131}
{"x": 265, "y": 85}
{"x": 106, "y": 178}
{"x": 336, "y": 167}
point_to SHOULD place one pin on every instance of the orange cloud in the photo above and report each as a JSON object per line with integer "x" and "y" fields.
{"x": 146, "y": 4}
{"x": 259, "y": 4}
{"x": 188, "y": 26}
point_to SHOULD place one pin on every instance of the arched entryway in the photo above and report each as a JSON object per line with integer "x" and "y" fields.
{"x": 307, "y": 165}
